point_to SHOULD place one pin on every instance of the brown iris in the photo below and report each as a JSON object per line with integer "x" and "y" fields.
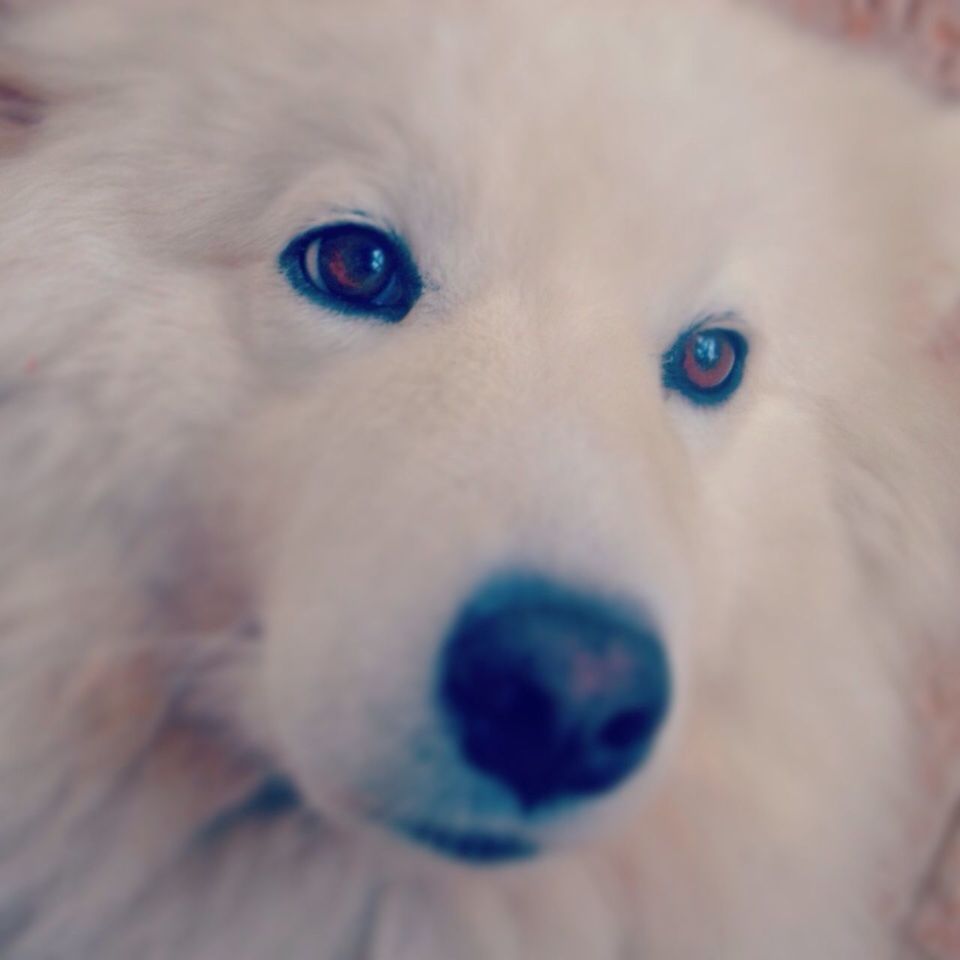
{"x": 709, "y": 359}
{"x": 353, "y": 262}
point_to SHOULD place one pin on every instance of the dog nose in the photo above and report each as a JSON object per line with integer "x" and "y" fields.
{"x": 554, "y": 693}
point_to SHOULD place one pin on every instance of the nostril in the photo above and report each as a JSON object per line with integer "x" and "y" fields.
{"x": 628, "y": 729}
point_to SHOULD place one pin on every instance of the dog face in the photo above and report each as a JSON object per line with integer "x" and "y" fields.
{"x": 508, "y": 417}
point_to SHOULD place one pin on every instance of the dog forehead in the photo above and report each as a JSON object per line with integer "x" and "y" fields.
{"x": 654, "y": 88}
{"x": 663, "y": 128}
{"x": 513, "y": 74}
{"x": 540, "y": 115}
{"x": 584, "y": 109}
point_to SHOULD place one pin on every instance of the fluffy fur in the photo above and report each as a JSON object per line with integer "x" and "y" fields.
{"x": 234, "y": 526}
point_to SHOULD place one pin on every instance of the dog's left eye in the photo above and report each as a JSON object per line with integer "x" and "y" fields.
{"x": 353, "y": 268}
{"x": 705, "y": 365}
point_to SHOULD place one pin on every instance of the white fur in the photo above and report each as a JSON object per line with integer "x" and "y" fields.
{"x": 235, "y": 526}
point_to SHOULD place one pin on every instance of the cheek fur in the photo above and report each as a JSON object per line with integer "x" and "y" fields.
{"x": 130, "y": 731}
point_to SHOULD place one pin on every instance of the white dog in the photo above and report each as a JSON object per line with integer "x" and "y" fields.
{"x": 479, "y": 482}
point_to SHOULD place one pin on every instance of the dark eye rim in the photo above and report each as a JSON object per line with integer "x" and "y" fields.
{"x": 390, "y": 306}
{"x": 676, "y": 381}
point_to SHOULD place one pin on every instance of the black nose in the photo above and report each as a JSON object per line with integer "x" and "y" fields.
{"x": 554, "y": 693}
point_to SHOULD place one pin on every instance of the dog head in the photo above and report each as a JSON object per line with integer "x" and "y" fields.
{"x": 505, "y": 421}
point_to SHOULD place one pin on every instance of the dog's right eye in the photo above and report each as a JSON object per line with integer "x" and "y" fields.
{"x": 353, "y": 268}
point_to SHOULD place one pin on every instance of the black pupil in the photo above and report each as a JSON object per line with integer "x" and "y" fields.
{"x": 356, "y": 265}
{"x": 708, "y": 350}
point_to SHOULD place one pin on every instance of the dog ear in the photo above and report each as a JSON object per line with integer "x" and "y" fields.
{"x": 925, "y": 34}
